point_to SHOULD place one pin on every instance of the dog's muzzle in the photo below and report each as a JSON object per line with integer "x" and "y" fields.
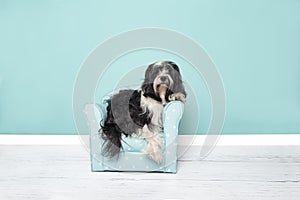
{"x": 163, "y": 80}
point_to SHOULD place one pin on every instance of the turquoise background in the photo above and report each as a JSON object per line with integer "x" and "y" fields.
{"x": 254, "y": 44}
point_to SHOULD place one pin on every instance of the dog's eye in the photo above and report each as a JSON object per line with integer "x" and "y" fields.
{"x": 157, "y": 71}
{"x": 169, "y": 68}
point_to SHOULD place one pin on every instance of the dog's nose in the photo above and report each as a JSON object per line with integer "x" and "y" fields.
{"x": 163, "y": 78}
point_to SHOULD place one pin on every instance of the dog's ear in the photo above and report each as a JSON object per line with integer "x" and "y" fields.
{"x": 147, "y": 88}
{"x": 148, "y": 91}
{"x": 179, "y": 88}
{"x": 147, "y": 84}
{"x": 174, "y": 66}
{"x": 148, "y": 72}
{"x": 178, "y": 84}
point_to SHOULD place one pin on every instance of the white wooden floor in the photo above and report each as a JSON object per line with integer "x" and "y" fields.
{"x": 230, "y": 172}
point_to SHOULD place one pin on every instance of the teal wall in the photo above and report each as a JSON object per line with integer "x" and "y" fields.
{"x": 254, "y": 44}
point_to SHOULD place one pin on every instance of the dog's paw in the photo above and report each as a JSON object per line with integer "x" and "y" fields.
{"x": 154, "y": 153}
{"x": 154, "y": 148}
{"x": 177, "y": 96}
{"x": 154, "y": 144}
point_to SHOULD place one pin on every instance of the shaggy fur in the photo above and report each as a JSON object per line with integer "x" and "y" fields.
{"x": 140, "y": 111}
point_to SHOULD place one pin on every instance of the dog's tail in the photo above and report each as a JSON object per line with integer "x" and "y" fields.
{"x": 111, "y": 135}
{"x": 112, "y": 141}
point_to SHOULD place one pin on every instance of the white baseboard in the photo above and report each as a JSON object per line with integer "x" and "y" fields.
{"x": 224, "y": 140}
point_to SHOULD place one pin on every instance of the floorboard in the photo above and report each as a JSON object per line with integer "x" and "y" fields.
{"x": 229, "y": 172}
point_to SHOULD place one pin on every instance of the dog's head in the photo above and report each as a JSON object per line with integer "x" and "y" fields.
{"x": 162, "y": 79}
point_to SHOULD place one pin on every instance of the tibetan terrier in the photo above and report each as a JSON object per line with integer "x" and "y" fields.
{"x": 140, "y": 111}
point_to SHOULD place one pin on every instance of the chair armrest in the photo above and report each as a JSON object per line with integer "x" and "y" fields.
{"x": 94, "y": 114}
{"x": 172, "y": 114}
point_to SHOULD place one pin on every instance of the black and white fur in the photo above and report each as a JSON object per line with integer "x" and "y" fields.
{"x": 140, "y": 111}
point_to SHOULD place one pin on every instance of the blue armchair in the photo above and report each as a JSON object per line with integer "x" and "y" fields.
{"x": 131, "y": 157}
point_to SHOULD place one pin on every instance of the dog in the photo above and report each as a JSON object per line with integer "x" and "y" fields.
{"x": 140, "y": 111}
